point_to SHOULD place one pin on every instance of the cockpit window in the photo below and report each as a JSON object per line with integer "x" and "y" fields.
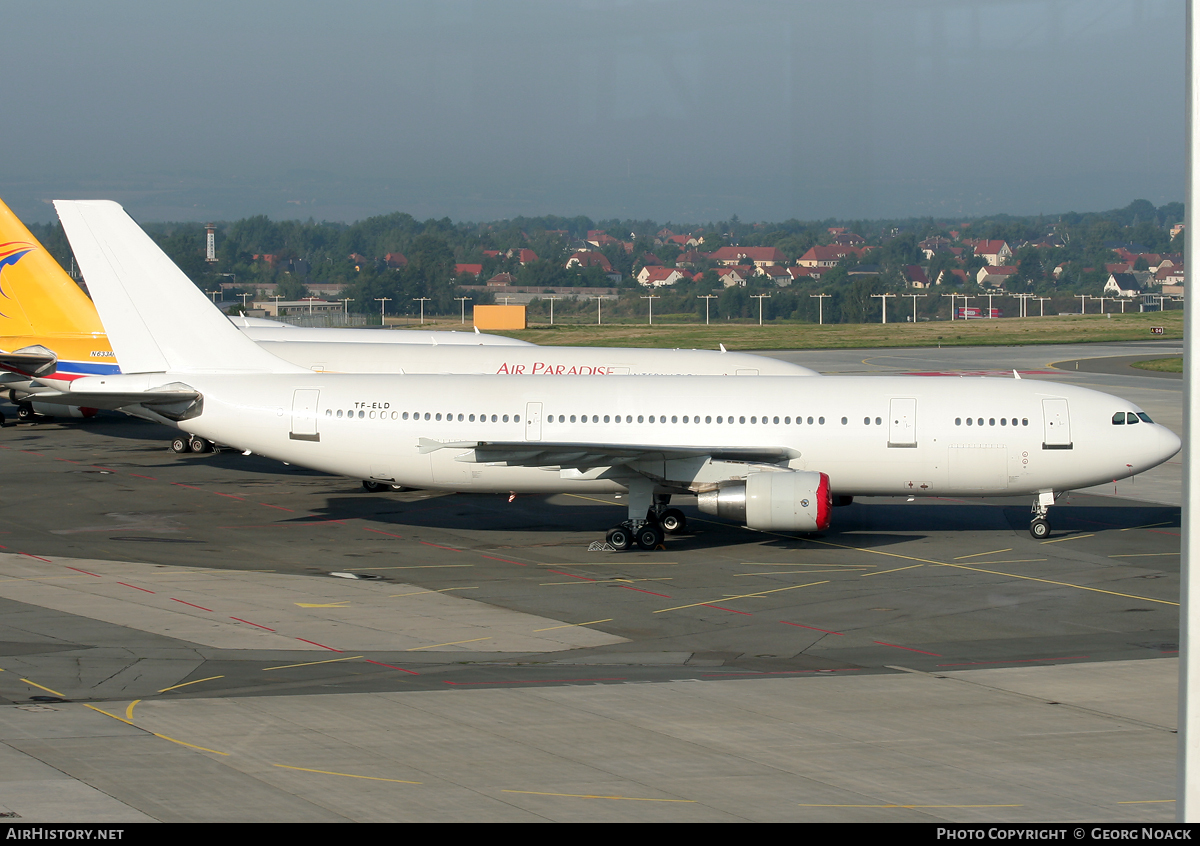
{"x": 1130, "y": 417}
{"x": 1119, "y": 418}
{"x": 1145, "y": 417}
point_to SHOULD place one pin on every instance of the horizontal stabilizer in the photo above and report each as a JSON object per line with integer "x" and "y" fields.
{"x": 30, "y": 361}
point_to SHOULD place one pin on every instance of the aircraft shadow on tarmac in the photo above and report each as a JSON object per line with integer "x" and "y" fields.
{"x": 864, "y": 525}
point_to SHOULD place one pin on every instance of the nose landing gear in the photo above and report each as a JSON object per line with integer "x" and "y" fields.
{"x": 1039, "y": 526}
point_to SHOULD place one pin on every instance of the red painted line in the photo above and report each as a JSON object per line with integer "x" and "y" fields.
{"x": 135, "y": 587}
{"x": 47, "y": 560}
{"x": 279, "y": 507}
{"x": 378, "y": 532}
{"x": 69, "y": 461}
{"x": 439, "y": 546}
{"x": 394, "y": 667}
{"x": 652, "y": 593}
{"x": 814, "y": 628}
{"x": 2, "y": 546}
{"x": 783, "y": 672}
{"x": 571, "y": 575}
{"x": 730, "y": 610}
{"x": 506, "y": 560}
{"x": 323, "y": 646}
{"x": 31, "y": 452}
{"x": 139, "y": 476}
{"x": 1161, "y": 532}
{"x": 248, "y": 623}
{"x": 109, "y": 469}
{"x": 189, "y": 487}
{"x": 909, "y": 648}
{"x": 1016, "y": 661}
{"x": 535, "y": 681}
{"x": 231, "y": 496}
{"x": 201, "y": 607}
{"x": 77, "y": 570}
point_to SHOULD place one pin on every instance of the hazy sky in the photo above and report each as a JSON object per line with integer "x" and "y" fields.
{"x": 680, "y": 110}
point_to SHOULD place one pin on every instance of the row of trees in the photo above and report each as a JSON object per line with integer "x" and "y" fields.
{"x": 310, "y": 252}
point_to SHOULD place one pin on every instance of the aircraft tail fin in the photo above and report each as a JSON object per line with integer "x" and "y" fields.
{"x": 157, "y": 320}
{"x": 37, "y": 297}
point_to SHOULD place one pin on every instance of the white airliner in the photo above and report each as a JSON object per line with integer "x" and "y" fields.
{"x": 774, "y": 453}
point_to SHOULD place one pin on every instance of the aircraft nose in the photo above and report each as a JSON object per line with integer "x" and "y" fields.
{"x": 1169, "y": 444}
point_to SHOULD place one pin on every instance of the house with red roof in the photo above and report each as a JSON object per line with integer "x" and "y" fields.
{"x": 758, "y": 256}
{"x": 995, "y": 277}
{"x": 829, "y": 255}
{"x": 468, "y": 270}
{"x": 396, "y": 260}
{"x": 995, "y": 253}
{"x": 656, "y": 276}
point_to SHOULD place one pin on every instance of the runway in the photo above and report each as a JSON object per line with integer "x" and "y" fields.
{"x": 173, "y": 645}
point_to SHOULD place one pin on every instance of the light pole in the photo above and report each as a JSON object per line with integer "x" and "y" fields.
{"x": 884, "y": 298}
{"x": 213, "y": 294}
{"x": 1083, "y": 303}
{"x": 820, "y": 298}
{"x": 276, "y": 298}
{"x": 552, "y": 299}
{"x": 651, "y": 298}
{"x": 951, "y": 296}
{"x": 914, "y": 299}
{"x": 598, "y": 299}
{"x": 422, "y": 301}
{"x": 244, "y": 296}
{"x": 760, "y": 298}
{"x": 1042, "y": 305}
{"x": 383, "y": 301}
{"x": 706, "y": 298}
{"x": 346, "y": 306}
{"x": 463, "y": 300}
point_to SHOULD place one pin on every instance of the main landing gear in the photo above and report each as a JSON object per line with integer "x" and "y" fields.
{"x": 1039, "y": 526}
{"x": 650, "y": 531}
{"x": 185, "y": 443}
{"x": 375, "y": 487}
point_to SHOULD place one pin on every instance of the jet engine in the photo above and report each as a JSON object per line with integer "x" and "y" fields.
{"x": 790, "y": 501}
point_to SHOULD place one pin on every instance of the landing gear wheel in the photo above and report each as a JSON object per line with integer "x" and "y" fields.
{"x": 199, "y": 445}
{"x": 673, "y": 521}
{"x": 25, "y": 413}
{"x": 650, "y": 536}
{"x": 180, "y": 444}
{"x": 1040, "y": 528}
{"x": 619, "y": 538}
{"x": 373, "y": 487}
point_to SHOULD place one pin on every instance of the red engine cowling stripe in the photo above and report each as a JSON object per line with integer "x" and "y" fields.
{"x": 824, "y": 504}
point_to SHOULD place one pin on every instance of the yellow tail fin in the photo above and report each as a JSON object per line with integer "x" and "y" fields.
{"x": 37, "y": 298}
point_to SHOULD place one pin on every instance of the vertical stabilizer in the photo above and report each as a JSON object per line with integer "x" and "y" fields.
{"x": 37, "y": 298}
{"x": 157, "y": 320}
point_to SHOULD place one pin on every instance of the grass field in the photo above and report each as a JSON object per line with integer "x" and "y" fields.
{"x": 1006, "y": 331}
{"x": 1174, "y": 364}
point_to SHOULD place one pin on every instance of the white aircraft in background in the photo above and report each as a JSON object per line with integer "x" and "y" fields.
{"x": 774, "y": 453}
{"x": 57, "y": 337}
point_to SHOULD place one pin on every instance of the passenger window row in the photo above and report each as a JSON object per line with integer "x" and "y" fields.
{"x": 417, "y": 415}
{"x": 991, "y": 421}
{"x": 662, "y": 418}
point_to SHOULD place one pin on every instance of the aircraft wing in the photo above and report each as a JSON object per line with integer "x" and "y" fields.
{"x": 584, "y": 455}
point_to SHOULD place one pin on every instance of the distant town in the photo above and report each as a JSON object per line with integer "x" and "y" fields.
{"x": 1128, "y": 259}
